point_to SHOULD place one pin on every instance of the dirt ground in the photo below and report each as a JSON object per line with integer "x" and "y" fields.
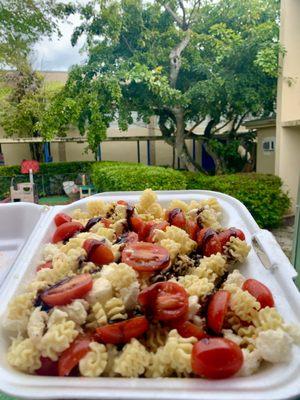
{"x": 284, "y": 236}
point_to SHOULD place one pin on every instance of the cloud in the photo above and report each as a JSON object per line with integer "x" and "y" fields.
{"x": 57, "y": 53}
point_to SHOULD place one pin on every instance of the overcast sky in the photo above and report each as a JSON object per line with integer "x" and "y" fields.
{"x": 57, "y": 54}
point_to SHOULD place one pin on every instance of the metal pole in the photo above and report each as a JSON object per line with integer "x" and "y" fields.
{"x": 138, "y": 151}
{"x": 194, "y": 150}
{"x": 99, "y": 153}
{"x": 148, "y": 153}
{"x": 178, "y": 162}
{"x": 296, "y": 242}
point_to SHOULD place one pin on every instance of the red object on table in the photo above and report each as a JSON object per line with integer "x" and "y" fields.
{"x": 28, "y": 165}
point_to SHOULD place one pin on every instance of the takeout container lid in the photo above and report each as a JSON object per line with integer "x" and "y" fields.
{"x": 273, "y": 381}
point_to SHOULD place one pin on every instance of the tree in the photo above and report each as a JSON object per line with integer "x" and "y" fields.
{"x": 184, "y": 61}
{"x": 25, "y": 98}
{"x": 23, "y": 22}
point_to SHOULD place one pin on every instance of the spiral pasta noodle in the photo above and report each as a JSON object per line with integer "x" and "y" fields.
{"x": 196, "y": 286}
{"x": 24, "y": 355}
{"x": 115, "y": 309}
{"x": 94, "y": 362}
{"x": 133, "y": 360}
{"x": 97, "y": 317}
{"x": 57, "y": 339}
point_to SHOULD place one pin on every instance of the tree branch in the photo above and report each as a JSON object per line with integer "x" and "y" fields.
{"x": 195, "y": 6}
{"x": 221, "y": 127}
{"x": 195, "y": 126}
{"x": 174, "y": 15}
{"x": 240, "y": 121}
{"x": 184, "y": 22}
{"x": 175, "y": 59}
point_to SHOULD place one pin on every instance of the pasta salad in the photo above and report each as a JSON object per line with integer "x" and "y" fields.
{"x": 135, "y": 290}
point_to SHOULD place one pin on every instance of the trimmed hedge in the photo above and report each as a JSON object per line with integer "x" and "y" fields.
{"x": 51, "y": 176}
{"x": 261, "y": 193}
{"x": 140, "y": 177}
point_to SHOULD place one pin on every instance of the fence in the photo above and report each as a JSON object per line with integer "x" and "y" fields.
{"x": 46, "y": 184}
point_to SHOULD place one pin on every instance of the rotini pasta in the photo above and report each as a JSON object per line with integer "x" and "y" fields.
{"x": 133, "y": 360}
{"x": 177, "y": 235}
{"x": 196, "y": 286}
{"x": 179, "y": 351}
{"x": 156, "y": 337}
{"x": 148, "y": 204}
{"x": 97, "y": 317}
{"x": 210, "y": 267}
{"x": 115, "y": 309}
{"x": 119, "y": 275}
{"x": 94, "y": 362}
{"x": 96, "y": 208}
{"x": 24, "y": 355}
{"x": 237, "y": 249}
{"x": 244, "y": 305}
{"x": 267, "y": 318}
{"x": 57, "y": 339}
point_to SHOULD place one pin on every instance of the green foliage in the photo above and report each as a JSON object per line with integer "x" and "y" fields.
{"x": 131, "y": 178}
{"x": 50, "y": 178}
{"x": 23, "y": 22}
{"x": 25, "y": 104}
{"x": 261, "y": 194}
{"x": 225, "y": 71}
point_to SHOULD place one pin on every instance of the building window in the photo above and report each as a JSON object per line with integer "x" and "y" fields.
{"x": 268, "y": 144}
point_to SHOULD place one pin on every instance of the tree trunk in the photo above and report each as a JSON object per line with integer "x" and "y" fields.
{"x": 180, "y": 145}
{"x": 217, "y": 161}
{"x": 36, "y": 151}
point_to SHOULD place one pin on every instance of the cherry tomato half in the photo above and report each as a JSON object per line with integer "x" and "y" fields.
{"x": 48, "y": 367}
{"x": 128, "y": 237}
{"x": 73, "y": 354}
{"x": 217, "y": 309}
{"x": 145, "y": 257}
{"x": 176, "y": 217}
{"x": 122, "y": 203}
{"x": 144, "y": 230}
{"x": 67, "y": 290}
{"x": 157, "y": 225}
{"x": 216, "y": 358}
{"x": 260, "y": 292}
{"x": 61, "y": 218}
{"x": 122, "y": 332}
{"x": 225, "y": 236}
{"x": 208, "y": 242}
{"x": 98, "y": 252}
{"x": 136, "y": 223}
{"x": 192, "y": 229}
{"x": 164, "y": 301}
{"x": 66, "y": 231}
{"x": 188, "y": 329}
{"x": 47, "y": 264}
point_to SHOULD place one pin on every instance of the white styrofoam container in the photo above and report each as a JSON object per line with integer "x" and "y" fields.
{"x": 279, "y": 381}
{"x": 17, "y": 222}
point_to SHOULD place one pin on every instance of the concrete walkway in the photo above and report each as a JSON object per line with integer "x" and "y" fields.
{"x": 284, "y": 236}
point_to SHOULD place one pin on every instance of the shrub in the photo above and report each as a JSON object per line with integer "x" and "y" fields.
{"x": 51, "y": 176}
{"x": 261, "y": 193}
{"x": 131, "y": 178}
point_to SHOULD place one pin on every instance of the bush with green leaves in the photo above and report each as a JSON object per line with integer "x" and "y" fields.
{"x": 261, "y": 193}
{"x": 48, "y": 180}
{"x": 139, "y": 177}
